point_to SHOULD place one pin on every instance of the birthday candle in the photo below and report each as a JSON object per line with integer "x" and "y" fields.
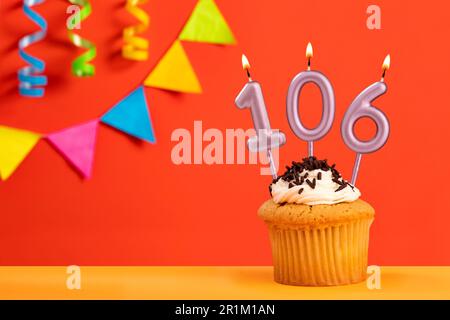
{"x": 266, "y": 139}
{"x": 328, "y": 104}
{"x": 362, "y": 107}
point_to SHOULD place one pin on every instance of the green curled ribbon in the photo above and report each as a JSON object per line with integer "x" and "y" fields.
{"x": 81, "y": 66}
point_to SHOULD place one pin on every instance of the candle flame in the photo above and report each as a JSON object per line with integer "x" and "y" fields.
{"x": 386, "y": 65}
{"x": 309, "y": 51}
{"x": 387, "y": 62}
{"x": 245, "y": 63}
{"x": 309, "y": 54}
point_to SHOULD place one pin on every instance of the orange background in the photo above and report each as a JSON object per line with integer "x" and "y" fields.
{"x": 140, "y": 209}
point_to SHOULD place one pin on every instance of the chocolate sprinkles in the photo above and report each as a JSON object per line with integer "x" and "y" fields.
{"x": 311, "y": 184}
{"x": 293, "y": 174}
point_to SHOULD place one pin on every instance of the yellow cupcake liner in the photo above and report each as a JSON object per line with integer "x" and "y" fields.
{"x": 322, "y": 256}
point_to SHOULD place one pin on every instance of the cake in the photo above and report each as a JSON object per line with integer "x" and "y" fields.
{"x": 318, "y": 226}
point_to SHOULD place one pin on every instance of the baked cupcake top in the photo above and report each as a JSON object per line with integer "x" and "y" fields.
{"x": 315, "y": 216}
{"x": 312, "y": 182}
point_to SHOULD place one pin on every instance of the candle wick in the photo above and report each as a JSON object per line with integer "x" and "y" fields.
{"x": 309, "y": 63}
{"x": 383, "y": 75}
{"x": 248, "y": 74}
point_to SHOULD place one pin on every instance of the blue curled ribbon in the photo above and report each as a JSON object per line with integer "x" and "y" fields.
{"x": 30, "y": 78}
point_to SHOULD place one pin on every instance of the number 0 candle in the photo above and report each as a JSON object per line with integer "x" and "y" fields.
{"x": 328, "y": 105}
{"x": 362, "y": 107}
{"x": 266, "y": 139}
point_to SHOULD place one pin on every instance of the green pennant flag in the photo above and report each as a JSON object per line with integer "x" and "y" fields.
{"x": 206, "y": 24}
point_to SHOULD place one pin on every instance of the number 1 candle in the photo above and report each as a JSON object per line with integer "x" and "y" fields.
{"x": 328, "y": 104}
{"x": 362, "y": 107}
{"x": 266, "y": 139}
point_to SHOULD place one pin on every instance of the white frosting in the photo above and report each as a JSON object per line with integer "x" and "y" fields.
{"x": 323, "y": 193}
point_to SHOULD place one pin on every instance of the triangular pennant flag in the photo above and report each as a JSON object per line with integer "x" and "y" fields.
{"x": 206, "y": 24}
{"x": 131, "y": 115}
{"x": 174, "y": 72}
{"x": 15, "y": 145}
{"x": 77, "y": 145}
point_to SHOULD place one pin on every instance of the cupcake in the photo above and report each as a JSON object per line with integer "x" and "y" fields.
{"x": 318, "y": 226}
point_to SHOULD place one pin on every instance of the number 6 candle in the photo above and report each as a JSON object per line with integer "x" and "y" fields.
{"x": 362, "y": 107}
{"x": 328, "y": 105}
{"x": 266, "y": 139}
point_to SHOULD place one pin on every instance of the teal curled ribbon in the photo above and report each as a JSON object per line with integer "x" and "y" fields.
{"x": 30, "y": 77}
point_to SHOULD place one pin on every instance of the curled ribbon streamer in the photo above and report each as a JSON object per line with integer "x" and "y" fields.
{"x": 81, "y": 66}
{"x": 135, "y": 48}
{"x": 30, "y": 78}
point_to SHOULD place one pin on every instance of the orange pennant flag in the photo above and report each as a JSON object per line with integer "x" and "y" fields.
{"x": 174, "y": 72}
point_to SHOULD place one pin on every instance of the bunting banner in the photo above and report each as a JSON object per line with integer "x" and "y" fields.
{"x": 77, "y": 144}
{"x": 15, "y": 145}
{"x": 31, "y": 79}
{"x": 174, "y": 72}
{"x": 206, "y": 24}
{"x": 135, "y": 47}
{"x": 131, "y": 115}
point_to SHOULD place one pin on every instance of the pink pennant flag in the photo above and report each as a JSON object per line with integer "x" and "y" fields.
{"x": 77, "y": 144}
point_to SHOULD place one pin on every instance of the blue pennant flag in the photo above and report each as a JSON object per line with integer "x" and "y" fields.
{"x": 131, "y": 115}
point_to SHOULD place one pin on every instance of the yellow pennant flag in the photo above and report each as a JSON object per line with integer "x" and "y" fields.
{"x": 15, "y": 145}
{"x": 206, "y": 24}
{"x": 174, "y": 72}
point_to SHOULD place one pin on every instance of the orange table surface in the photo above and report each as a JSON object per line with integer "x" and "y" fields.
{"x": 211, "y": 283}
